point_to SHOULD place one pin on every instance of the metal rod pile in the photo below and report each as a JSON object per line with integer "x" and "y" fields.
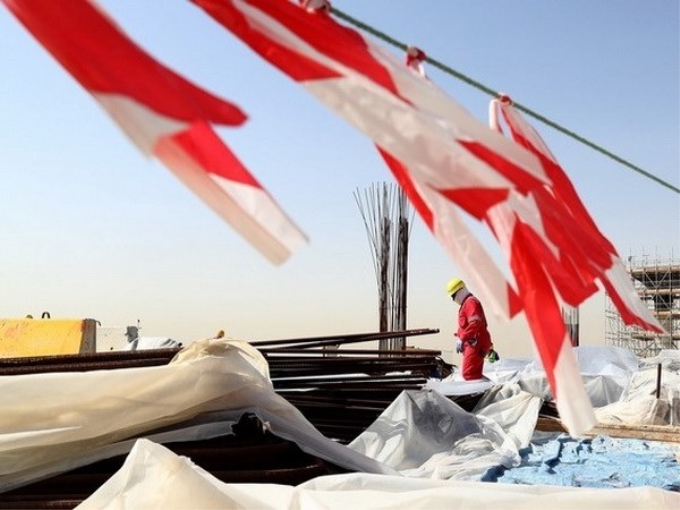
{"x": 87, "y": 361}
{"x": 342, "y": 391}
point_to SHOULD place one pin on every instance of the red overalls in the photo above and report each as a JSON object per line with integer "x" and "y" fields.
{"x": 475, "y": 336}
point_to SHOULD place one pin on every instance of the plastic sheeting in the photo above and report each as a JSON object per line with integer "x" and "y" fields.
{"x": 54, "y": 422}
{"x": 151, "y": 342}
{"x": 612, "y": 376}
{"x": 600, "y": 462}
{"x": 645, "y": 410}
{"x": 638, "y": 404}
{"x": 424, "y": 434}
{"x": 154, "y": 477}
{"x": 515, "y": 410}
{"x": 455, "y": 385}
{"x": 606, "y": 372}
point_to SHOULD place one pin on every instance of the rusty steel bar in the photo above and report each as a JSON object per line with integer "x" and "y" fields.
{"x": 82, "y": 366}
{"x": 102, "y": 357}
{"x": 344, "y": 339}
{"x": 286, "y": 351}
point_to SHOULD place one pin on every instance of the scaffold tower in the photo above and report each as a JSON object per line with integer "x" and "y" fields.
{"x": 657, "y": 282}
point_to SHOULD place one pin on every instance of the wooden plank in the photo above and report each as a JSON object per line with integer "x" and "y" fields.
{"x": 549, "y": 424}
{"x": 665, "y": 433}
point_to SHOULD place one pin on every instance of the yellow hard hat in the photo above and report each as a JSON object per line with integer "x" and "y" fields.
{"x": 454, "y": 286}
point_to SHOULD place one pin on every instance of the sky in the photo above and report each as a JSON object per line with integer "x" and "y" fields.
{"x": 91, "y": 228}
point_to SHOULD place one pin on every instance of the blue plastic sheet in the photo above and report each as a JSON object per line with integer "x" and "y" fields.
{"x": 599, "y": 462}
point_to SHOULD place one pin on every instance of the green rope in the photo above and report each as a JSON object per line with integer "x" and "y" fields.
{"x": 494, "y": 93}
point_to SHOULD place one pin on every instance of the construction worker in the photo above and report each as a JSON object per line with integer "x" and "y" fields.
{"x": 474, "y": 340}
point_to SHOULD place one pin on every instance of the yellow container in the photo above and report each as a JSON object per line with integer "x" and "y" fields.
{"x": 46, "y": 337}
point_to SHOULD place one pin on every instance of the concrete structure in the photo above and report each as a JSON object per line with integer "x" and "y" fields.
{"x": 657, "y": 282}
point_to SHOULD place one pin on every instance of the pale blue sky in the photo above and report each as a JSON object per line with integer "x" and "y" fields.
{"x": 90, "y": 228}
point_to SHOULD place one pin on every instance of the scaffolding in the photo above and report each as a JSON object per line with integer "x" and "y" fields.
{"x": 657, "y": 282}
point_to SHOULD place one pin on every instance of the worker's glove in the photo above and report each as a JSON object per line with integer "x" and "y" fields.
{"x": 492, "y": 356}
{"x": 459, "y": 346}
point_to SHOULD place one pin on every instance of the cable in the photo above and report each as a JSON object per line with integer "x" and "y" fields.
{"x": 493, "y": 93}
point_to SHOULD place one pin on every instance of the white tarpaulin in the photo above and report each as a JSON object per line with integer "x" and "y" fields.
{"x": 54, "y": 422}
{"x": 607, "y": 373}
{"x": 154, "y": 477}
{"x": 424, "y": 434}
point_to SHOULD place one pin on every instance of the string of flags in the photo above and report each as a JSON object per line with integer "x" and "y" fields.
{"x": 448, "y": 163}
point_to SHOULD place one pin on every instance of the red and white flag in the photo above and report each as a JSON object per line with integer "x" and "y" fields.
{"x": 163, "y": 114}
{"x": 603, "y": 262}
{"x": 446, "y": 161}
{"x": 568, "y": 237}
{"x": 396, "y": 108}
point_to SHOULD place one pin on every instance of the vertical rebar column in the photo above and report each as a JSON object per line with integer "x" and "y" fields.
{"x": 383, "y": 208}
{"x": 401, "y": 271}
{"x": 383, "y": 272}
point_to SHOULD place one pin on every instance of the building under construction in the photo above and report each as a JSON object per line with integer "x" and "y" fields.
{"x": 657, "y": 282}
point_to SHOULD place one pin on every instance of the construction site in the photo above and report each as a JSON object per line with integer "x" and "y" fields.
{"x": 657, "y": 282}
{"x": 299, "y": 412}
{"x": 100, "y": 417}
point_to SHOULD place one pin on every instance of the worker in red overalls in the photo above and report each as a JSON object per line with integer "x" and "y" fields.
{"x": 474, "y": 339}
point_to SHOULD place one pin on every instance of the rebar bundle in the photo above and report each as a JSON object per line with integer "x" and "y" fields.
{"x": 385, "y": 211}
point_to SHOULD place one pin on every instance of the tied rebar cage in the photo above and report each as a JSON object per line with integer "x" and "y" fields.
{"x": 385, "y": 211}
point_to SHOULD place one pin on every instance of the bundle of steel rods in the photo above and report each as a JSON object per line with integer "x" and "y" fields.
{"x": 342, "y": 391}
{"x": 106, "y": 360}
